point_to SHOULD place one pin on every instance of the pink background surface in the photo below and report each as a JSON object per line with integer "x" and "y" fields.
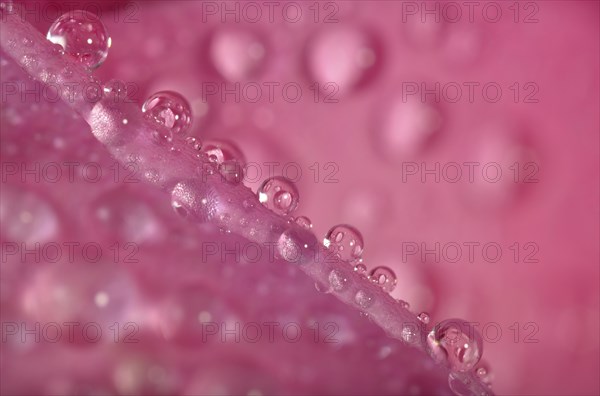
{"x": 553, "y": 301}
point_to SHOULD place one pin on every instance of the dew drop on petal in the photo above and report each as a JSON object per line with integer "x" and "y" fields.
{"x": 384, "y": 277}
{"x": 338, "y": 279}
{"x": 455, "y": 342}
{"x": 346, "y": 242}
{"x": 231, "y": 171}
{"x": 404, "y": 304}
{"x": 194, "y": 200}
{"x": 361, "y": 269}
{"x": 424, "y": 317}
{"x": 363, "y": 299}
{"x": 279, "y": 194}
{"x": 297, "y": 246}
{"x": 168, "y": 110}
{"x": 219, "y": 151}
{"x": 83, "y": 36}
{"x": 304, "y": 222}
{"x": 458, "y": 386}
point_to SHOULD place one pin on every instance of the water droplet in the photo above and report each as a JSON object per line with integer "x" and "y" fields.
{"x": 403, "y": 304}
{"x": 455, "y": 342}
{"x": 384, "y": 277}
{"x": 297, "y": 246}
{"x": 485, "y": 375}
{"x": 194, "y": 200}
{"x": 338, "y": 280}
{"x": 304, "y": 222}
{"x": 346, "y": 242}
{"x": 194, "y": 142}
{"x": 340, "y": 59}
{"x": 458, "y": 386}
{"x": 237, "y": 55}
{"x": 361, "y": 269}
{"x": 406, "y": 128}
{"x": 82, "y": 35}
{"x": 219, "y": 151}
{"x": 279, "y": 194}
{"x": 170, "y": 111}
{"x": 409, "y": 333}
{"x": 115, "y": 91}
{"x": 424, "y": 317}
{"x": 231, "y": 171}
{"x": 363, "y": 299}
{"x": 27, "y": 42}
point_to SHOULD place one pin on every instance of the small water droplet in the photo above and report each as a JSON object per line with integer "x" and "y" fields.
{"x": 297, "y": 246}
{"x": 457, "y": 343}
{"x": 338, "y": 280}
{"x": 485, "y": 375}
{"x": 363, "y": 299}
{"x": 409, "y": 333}
{"x": 279, "y": 194}
{"x": 361, "y": 269}
{"x": 458, "y": 386}
{"x": 384, "y": 277}
{"x": 82, "y": 35}
{"x": 403, "y": 304}
{"x": 231, "y": 171}
{"x": 194, "y": 200}
{"x": 424, "y": 317}
{"x": 219, "y": 151}
{"x": 152, "y": 175}
{"x": 304, "y": 222}
{"x": 194, "y": 142}
{"x": 346, "y": 242}
{"x": 27, "y": 42}
{"x": 168, "y": 110}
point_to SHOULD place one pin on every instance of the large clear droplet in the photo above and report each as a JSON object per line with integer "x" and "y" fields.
{"x": 279, "y": 194}
{"x": 82, "y": 35}
{"x": 169, "y": 110}
{"x": 346, "y": 242}
{"x": 384, "y": 277}
{"x": 457, "y": 343}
